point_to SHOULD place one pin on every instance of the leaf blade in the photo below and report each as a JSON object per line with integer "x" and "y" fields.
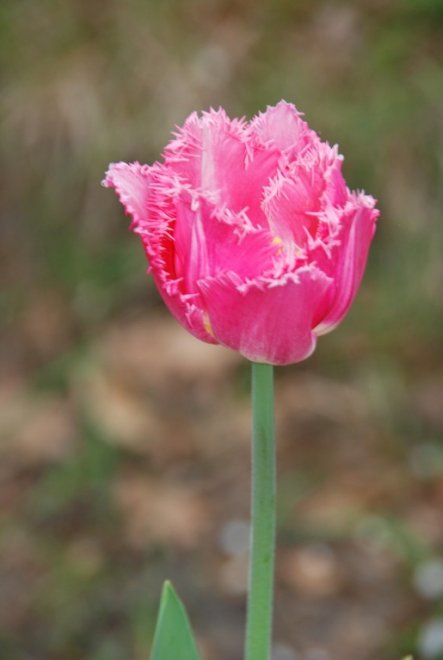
{"x": 173, "y": 637}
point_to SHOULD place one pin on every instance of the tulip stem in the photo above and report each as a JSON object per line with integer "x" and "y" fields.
{"x": 261, "y": 567}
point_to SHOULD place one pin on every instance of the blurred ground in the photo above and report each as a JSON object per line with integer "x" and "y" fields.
{"x": 124, "y": 444}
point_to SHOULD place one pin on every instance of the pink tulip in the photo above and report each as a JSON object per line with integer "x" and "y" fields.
{"x": 253, "y": 239}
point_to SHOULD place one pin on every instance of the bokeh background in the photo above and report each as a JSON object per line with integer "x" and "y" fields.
{"x": 124, "y": 443}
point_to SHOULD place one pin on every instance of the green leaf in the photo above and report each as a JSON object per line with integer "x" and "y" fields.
{"x": 173, "y": 638}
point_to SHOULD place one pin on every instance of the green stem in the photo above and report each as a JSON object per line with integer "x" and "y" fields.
{"x": 261, "y": 571}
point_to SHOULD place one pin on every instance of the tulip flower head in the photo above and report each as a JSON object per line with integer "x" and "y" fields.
{"x": 252, "y": 236}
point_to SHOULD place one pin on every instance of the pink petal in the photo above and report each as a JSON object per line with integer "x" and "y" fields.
{"x": 130, "y": 181}
{"x": 148, "y": 195}
{"x": 336, "y": 189}
{"x": 294, "y": 198}
{"x": 212, "y": 153}
{"x": 289, "y": 205}
{"x": 206, "y": 151}
{"x": 281, "y": 126}
{"x": 348, "y": 261}
{"x": 209, "y": 242}
{"x": 266, "y": 320}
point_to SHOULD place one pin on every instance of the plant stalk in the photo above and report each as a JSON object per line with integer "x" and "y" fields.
{"x": 261, "y": 567}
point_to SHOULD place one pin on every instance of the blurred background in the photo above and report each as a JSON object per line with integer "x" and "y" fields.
{"x": 124, "y": 443}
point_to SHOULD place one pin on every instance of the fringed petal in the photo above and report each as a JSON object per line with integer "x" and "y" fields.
{"x": 266, "y": 320}
{"x": 209, "y": 241}
{"x": 149, "y": 195}
{"x": 282, "y": 127}
{"x": 296, "y": 197}
{"x": 348, "y": 262}
{"x": 213, "y": 154}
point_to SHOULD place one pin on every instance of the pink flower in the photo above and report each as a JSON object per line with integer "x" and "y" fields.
{"x": 253, "y": 239}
